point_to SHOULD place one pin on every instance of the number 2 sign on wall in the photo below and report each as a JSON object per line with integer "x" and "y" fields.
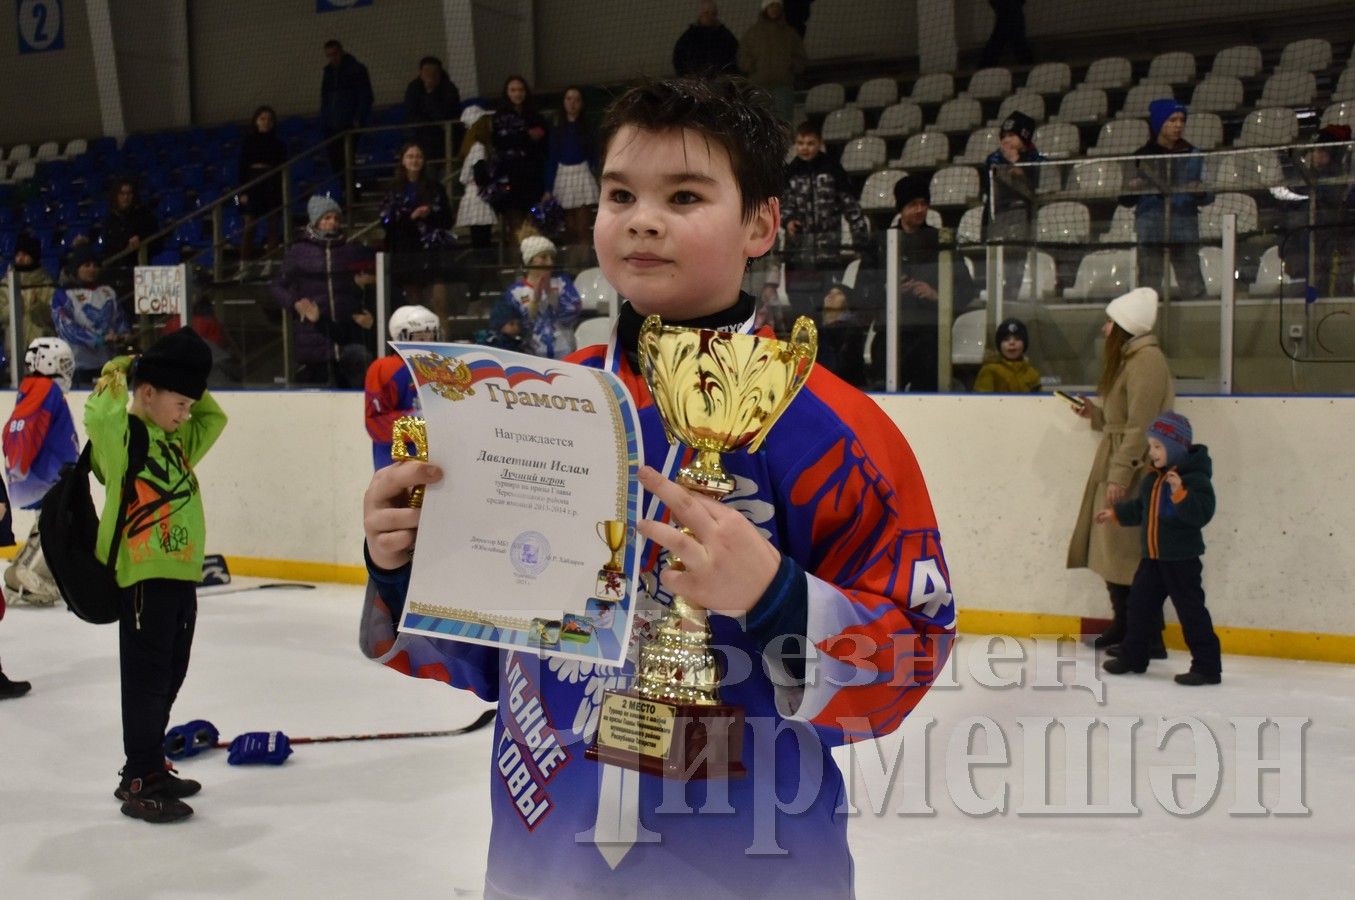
{"x": 41, "y": 26}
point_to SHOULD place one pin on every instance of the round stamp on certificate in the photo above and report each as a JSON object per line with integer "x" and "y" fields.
{"x": 529, "y": 554}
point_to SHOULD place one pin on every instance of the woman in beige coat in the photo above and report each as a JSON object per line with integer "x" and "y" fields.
{"x": 1135, "y": 387}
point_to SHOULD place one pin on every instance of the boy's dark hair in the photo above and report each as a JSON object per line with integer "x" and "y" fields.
{"x": 809, "y": 128}
{"x": 730, "y": 111}
{"x": 333, "y": 44}
{"x": 430, "y": 61}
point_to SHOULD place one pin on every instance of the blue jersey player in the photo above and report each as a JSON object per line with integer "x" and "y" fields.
{"x": 828, "y": 542}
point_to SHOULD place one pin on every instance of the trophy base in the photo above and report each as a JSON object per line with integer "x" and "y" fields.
{"x": 671, "y": 740}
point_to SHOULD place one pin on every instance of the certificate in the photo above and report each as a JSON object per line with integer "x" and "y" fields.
{"x": 529, "y": 540}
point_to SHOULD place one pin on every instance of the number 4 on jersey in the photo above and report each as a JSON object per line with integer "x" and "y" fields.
{"x": 929, "y": 588}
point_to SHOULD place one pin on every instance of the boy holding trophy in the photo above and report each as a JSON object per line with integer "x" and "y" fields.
{"x": 821, "y": 582}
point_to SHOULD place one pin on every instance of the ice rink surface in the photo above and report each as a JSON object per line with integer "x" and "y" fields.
{"x": 410, "y": 818}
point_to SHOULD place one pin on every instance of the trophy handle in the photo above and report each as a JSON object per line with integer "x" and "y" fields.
{"x": 802, "y": 347}
{"x": 408, "y": 430}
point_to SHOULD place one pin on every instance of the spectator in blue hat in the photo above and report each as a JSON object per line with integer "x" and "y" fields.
{"x": 1166, "y": 194}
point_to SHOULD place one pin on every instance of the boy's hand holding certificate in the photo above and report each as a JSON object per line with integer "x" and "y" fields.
{"x": 529, "y": 539}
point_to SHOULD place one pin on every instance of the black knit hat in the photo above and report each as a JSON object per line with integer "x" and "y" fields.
{"x": 28, "y": 243}
{"x": 1010, "y": 327}
{"x": 910, "y": 188}
{"x": 179, "y": 362}
{"x": 1020, "y": 124}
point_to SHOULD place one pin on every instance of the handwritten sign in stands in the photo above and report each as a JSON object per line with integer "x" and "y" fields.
{"x": 162, "y": 291}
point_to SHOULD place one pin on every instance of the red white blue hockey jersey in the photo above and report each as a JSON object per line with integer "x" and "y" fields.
{"x": 837, "y": 489}
{"x": 39, "y": 440}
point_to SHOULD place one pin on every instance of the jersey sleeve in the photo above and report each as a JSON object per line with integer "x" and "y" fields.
{"x": 881, "y": 614}
{"x": 471, "y": 667}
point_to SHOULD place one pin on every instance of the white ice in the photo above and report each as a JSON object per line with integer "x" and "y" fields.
{"x": 411, "y": 817}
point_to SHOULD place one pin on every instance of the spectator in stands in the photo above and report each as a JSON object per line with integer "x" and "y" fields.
{"x": 519, "y": 154}
{"x": 1327, "y": 198}
{"x": 707, "y": 47}
{"x": 1008, "y": 371}
{"x": 432, "y": 97}
{"x": 261, "y": 151}
{"x": 1009, "y": 197}
{"x": 474, "y": 213}
{"x": 818, "y": 196}
{"x": 771, "y": 54}
{"x": 546, "y": 301}
{"x": 918, "y": 288}
{"x": 1136, "y": 387}
{"x": 797, "y": 14}
{"x": 35, "y": 289}
{"x": 842, "y": 336}
{"x": 322, "y": 281}
{"x": 1009, "y": 30}
{"x": 1165, "y": 189}
{"x": 571, "y": 174}
{"x": 345, "y": 99}
{"x": 87, "y": 315}
{"x": 505, "y": 327}
{"x": 417, "y": 216}
{"x": 128, "y": 224}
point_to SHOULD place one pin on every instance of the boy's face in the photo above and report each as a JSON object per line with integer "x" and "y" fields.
{"x": 21, "y": 258}
{"x": 914, "y": 214}
{"x": 1173, "y": 127}
{"x": 807, "y": 146}
{"x": 670, "y": 234}
{"x": 1157, "y": 453}
{"x": 1012, "y": 143}
{"x": 88, "y": 272}
{"x": 166, "y": 409}
{"x": 834, "y": 300}
{"x": 1012, "y": 347}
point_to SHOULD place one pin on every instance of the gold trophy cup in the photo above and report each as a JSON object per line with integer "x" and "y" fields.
{"x": 717, "y": 393}
{"x": 613, "y": 534}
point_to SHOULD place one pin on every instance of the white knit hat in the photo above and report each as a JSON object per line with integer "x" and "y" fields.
{"x": 1135, "y": 312}
{"x": 472, "y": 114}
{"x": 533, "y": 245}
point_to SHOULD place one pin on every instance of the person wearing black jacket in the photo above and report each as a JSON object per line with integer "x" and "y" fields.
{"x": 432, "y": 97}
{"x": 707, "y": 47}
{"x": 919, "y": 288}
{"x": 126, "y": 227}
{"x": 345, "y": 99}
{"x": 260, "y": 151}
{"x": 818, "y": 196}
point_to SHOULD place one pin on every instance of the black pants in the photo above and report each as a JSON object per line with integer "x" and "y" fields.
{"x": 1154, "y": 582}
{"x": 155, "y": 635}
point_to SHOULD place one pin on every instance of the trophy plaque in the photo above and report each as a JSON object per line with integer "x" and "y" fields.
{"x": 717, "y": 393}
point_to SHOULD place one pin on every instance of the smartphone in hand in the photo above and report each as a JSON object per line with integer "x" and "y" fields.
{"x": 1075, "y": 402}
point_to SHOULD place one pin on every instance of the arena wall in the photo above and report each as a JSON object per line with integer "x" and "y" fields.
{"x": 284, "y": 487}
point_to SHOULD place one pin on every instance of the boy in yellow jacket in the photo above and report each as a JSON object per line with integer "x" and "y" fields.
{"x": 159, "y": 560}
{"x": 1011, "y": 372}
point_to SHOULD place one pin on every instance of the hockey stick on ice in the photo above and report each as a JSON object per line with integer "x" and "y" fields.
{"x": 271, "y": 586}
{"x": 484, "y": 719}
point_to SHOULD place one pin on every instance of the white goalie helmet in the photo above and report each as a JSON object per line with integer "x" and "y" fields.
{"x": 415, "y": 323}
{"x": 51, "y": 356}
